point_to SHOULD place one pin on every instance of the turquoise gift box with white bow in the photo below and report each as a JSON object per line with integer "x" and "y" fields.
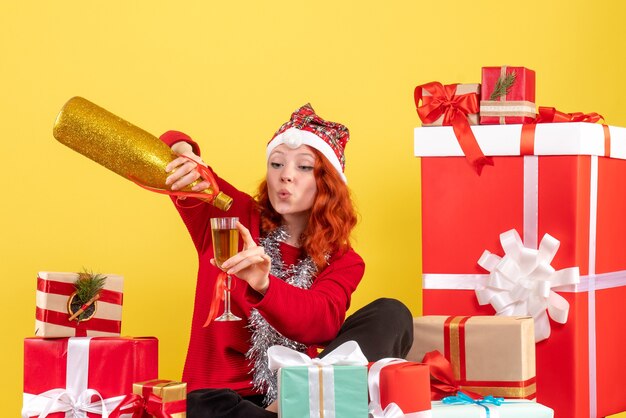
{"x": 539, "y": 232}
{"x": 332, "y": 387}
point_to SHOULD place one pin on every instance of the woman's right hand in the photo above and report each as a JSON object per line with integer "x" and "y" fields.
{"x": 183, "y": 169}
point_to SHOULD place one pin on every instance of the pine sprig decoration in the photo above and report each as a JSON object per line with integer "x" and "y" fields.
{"x": 88, "y": 285}
{"x": 503, "y": 85}
{"x": 81, "y": 305}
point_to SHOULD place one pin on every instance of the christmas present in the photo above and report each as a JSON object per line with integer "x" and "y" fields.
{"x": 565, "y": 182}
{"x": 489, "y": 355}
{"x": 163, "y": 398}
{"x": 399, "y": 388}
{"x": 89, "y": 375}
{"x": 452, "y": 105}
{"x": 61, "y": 312}
{"x": 335, "y": 385}
{"x": 507, "y": 96}
{"x": 431, "y": 112}
{"x": 463, "y": 406}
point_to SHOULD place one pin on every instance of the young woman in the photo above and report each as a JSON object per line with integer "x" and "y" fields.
{"x": 293, "y": 278}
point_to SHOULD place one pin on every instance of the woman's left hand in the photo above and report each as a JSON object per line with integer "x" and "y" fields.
{"x": 251, "y": 264}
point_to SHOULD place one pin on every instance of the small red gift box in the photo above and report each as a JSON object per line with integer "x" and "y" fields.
{"x": 561, "y": 183}
{"x": 54, "y": 290}
{"x": 403, "y": 383}
{"x": 84, "y": 373}
{"x": 507, "y": 96}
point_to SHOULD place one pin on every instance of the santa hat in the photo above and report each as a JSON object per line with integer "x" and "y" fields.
{"x": 306, "y": 128}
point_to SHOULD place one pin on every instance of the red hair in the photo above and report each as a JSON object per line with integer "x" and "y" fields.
{"x": 332, "y": 217}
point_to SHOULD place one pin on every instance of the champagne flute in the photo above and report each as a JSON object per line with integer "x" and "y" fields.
{"x": 225, "y": 245}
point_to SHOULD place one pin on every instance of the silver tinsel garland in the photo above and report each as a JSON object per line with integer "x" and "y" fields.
{"x": 264, "y": 336}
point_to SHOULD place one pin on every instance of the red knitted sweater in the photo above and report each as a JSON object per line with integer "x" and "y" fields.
{"x": 216, "y": 354}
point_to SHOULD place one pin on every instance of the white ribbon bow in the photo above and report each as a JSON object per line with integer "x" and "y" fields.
{"x": 321, "y": 394}
{"x": 75, "y": 399}
{"x": 61, "y": 400}
{"x": 521, "y": 282}
{"x": 391, "y": 411}
{"x": 347, "y": 354}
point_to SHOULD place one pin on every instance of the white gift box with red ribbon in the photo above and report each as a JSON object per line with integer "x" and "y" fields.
{"x": 500, "y": 140}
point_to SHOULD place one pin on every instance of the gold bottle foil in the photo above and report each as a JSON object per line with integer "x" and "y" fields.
{"x": 119, "y": 145}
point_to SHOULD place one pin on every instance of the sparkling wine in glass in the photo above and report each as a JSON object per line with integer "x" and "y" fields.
{"x": 225, "y": 245}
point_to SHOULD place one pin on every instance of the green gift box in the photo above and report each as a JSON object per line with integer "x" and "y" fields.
{"x": 332, "y": 387}
{"x": 303, "y": 389}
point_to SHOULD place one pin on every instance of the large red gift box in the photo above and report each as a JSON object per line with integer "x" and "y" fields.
{"x": 62, "y": 374}
{"x": 565, "y": 187}
{"x": 399, "y": 384}
{"x": 516, "y": 105}
{"x": 54, "y": 290}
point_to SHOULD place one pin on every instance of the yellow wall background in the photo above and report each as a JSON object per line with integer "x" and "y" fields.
{"x": 229, "y": 74}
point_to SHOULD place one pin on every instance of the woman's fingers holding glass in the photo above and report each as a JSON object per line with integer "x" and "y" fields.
{"x": 244, "y": 259}
{"x": 248, "y": 241}
{"x": 253, "y": 268}
{"x": 244, "y": 264}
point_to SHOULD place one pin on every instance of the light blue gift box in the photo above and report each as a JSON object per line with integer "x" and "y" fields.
{"x": 298, "y": 386}
{"x": 515, "y": 408}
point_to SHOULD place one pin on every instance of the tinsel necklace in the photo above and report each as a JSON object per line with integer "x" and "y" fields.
{"x": 264, "y": 336}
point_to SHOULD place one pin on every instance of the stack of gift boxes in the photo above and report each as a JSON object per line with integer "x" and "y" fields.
{"x": 78, "y": 365}
{"x": 523, "y": 215}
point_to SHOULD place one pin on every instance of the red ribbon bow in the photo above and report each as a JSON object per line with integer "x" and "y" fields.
{"x": 552, "y": 115}
{"x": 442, "y": 382}
{"x": 155, "y": 407}
{"x": 150, "y": 405}
{"x": 218, "y": 296}
{"x": 455, "y": 109}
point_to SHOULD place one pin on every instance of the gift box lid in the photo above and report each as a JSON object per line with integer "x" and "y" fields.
{"x": 566, "y": 138}
{"x": 114, "y": 282}
{"x": 518, "y": 408}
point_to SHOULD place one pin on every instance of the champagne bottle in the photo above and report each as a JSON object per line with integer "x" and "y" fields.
{"x": 120, "y": 146}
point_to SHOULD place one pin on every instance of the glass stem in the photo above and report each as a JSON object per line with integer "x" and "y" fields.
{"x": 227, "y": 295}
